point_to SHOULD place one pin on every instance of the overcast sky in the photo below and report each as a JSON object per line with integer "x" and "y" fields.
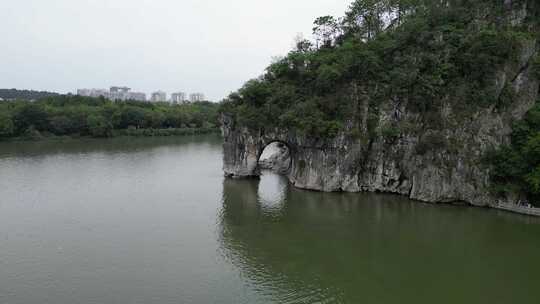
{"x": 212, "y": 46}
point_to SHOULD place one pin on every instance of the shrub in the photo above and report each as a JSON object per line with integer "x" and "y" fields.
{"x": 390, "y": 132}
{"x": 536, "y": 66}
{"x": 99, "y": 126}
{"x": 516, "y": 167}
{"x": 7, "y": 128}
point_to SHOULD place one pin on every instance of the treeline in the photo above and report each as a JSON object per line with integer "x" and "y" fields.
{"x": 25, "y": 94}
{"x": 422, "y": 53}
{"x": 98, "y": 117}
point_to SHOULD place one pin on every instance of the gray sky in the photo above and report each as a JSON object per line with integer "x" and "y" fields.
{"x": 212, "y": 46}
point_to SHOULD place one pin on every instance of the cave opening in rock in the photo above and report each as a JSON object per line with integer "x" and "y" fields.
{"x": 276, "y": 157}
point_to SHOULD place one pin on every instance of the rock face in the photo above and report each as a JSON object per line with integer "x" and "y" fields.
{"x": 276, "y": 157}
{"x": 443, "y": 165}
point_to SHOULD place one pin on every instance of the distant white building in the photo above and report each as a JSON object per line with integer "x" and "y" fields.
{"x": 196, "y": 97}
{"x": 83, "y": 92}
{"x": 119, "y": 89}
{"x": 119, "y": 93}
{"x": 93, "y": 93}
{"x": 137, "y": 96}
{"x": 178, "y": 98}
{"x": 159, "y": 96}
{"x": 100, "y": 93}
{"x": 1, "y": 99}
{"x": 114, "y": 93}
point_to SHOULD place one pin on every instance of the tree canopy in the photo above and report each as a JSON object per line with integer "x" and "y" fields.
{"x": 25, "y": 94}
{"x": 98, "y": 117}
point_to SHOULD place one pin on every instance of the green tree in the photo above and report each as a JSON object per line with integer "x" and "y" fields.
{"x": 516, "y": 168}
{"x": 7, "y": 128}
{"x": 326, "y": 29}
{"x": 132, "y": 116}
{"x": 61, "y": 125}
{"x": 536, "y": 66}
{"x": 31, "y": 114}
{"x": 365, "y": 18}
{"x": 99, "y": 126}
{"x": 154, "y": 119}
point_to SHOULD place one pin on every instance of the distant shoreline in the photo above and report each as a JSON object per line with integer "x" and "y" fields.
{"x": 117, "y": 134}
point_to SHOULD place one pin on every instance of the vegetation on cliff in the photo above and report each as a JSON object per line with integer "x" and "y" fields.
{"x": 419, "y": 52}
{"x": 98, "y": 117}
{"x": 516, "y": 167}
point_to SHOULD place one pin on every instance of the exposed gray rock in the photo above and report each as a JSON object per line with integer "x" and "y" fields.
{"x": 276, "y": 157}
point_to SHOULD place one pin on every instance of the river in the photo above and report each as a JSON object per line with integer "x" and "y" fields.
{"x": 153, "y": 220}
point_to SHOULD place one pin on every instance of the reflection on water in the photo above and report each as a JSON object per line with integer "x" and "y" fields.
{"x": 152, "y": 220}
{"x": 313, "y": 247}
{"x": 272, "y": 192}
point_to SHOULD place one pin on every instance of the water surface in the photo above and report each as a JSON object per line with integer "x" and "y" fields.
{"x": 153, "y": 220}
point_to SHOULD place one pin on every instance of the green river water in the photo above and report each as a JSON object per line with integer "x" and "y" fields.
{"x": 153, "y": 220}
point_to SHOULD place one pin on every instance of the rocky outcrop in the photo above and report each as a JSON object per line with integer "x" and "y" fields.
{"x": 276, "y": 157}
{"x": 443, "y": 166}
{"x": 427, "y": 164}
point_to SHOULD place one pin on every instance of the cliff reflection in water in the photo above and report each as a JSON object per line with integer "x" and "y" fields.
{"x": 298, "y": 246}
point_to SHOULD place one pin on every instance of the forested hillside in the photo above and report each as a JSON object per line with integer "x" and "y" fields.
{"x": 25, "y": 94}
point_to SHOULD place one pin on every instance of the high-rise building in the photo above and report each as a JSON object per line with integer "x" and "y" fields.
{"x": 99, "y": 93}
{"x": 119, "y": 93}
{"x": 196, "y": 97}
{"x": 120, "y": 89}
{"x": 114, "y": 93}
{"x": 136, "y": 96}
{"x": 178, "y": 98}
{"x": 159, "y": 96}
{"x": 83, "y": 92}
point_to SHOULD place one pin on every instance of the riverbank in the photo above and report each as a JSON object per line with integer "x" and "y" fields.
{"x": 164, "y": 132}
{"x": 38, "y": 136}
{"x": 531, "y": 211}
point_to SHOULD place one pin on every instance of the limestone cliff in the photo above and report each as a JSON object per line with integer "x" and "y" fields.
{"x": 413, "y": 159}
